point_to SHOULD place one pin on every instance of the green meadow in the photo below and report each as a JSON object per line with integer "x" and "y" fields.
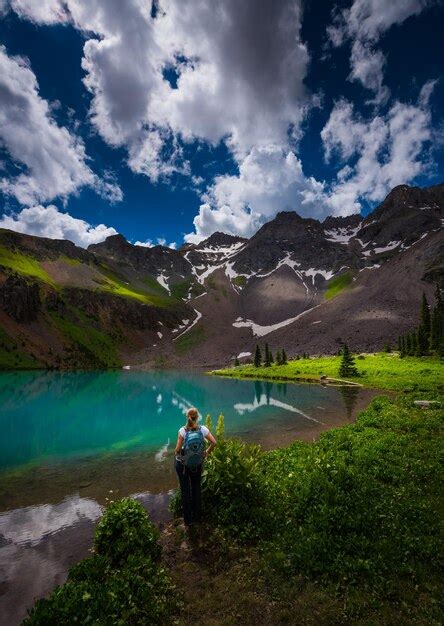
{"x": 380, "y": 370}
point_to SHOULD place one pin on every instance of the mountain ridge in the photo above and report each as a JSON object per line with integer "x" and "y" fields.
{"x": 206, "y": 303}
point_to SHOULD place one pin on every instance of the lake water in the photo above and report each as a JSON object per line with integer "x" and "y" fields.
{"x": 71, "y": 440}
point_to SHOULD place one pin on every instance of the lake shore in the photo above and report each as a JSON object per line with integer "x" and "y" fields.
{"x": 49, "y": 505}
{"x": 376, "y": 370}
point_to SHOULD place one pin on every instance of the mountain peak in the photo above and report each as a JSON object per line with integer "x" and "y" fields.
{"x": 220, "y": 239}
{"x": 113, "y": 242}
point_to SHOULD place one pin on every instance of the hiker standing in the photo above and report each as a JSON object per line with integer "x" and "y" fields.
{"x": 190, "y": 454}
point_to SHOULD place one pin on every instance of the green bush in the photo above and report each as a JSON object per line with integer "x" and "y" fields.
{"x": 139, "y": 593}
{"x": 122, "y": 584}
{"x": 232, "y": 493}
{"x": 361, "y": 504}
{"x": 125, "y": 529}
{"x": 358, "y": 506}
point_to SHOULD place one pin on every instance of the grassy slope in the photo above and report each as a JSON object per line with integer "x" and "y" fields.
{"x": 338, "y": 284}
{"x": 26, "y": 265}
{"x": 383, "y": 371}
{"x": 89, "y": 346}
{"x": 23, "y": 264}
{"x": 190, "y": 339}
{"x": 12, "y": 357}
{"x": 98, "y": 348}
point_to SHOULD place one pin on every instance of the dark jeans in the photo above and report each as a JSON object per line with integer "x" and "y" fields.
{"x": 190, "y": 491}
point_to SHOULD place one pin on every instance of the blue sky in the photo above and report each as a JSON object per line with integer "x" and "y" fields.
{"x": 204, "y": 115}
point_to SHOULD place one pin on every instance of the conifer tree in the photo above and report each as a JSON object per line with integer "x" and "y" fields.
{"x": 387, "y": 347}
{"x": 267, "y": 361}
{"x": 236, "y": 362}
{"x": 401, "y": 346}
{"x": 347, "y": 366}
{"x": 437, "y": 321}
{"x": 422, "y": 342}
{"x": 270, "y": 353}
{"x": 408, "y": 345}
{"x": 284, "y": 357}
{"x": 414, "y": 342}
{"x": 278, "y": 358}
{"x": 257, "y": 357}
{"x": 425, "y": 317}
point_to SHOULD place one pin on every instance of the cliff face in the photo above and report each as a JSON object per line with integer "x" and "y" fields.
{"x": 67, "y": 307}
{"x": 20, "y": 299}
{"x": 296, "y": 283}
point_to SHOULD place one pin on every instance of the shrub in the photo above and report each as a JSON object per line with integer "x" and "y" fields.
{"x": 139, "y": 593}
{"x": 360, "y": 505}
{"x": 232, "y": 493}
{"x": 126, "y": 529}
{"x": 121, "y": 584}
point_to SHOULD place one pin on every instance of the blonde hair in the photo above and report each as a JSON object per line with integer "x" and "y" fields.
{"x": 192, "y": 417}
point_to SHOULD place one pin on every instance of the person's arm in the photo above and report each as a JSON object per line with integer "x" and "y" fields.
{"x": 179, "y": 445}
{"x": 212, "y": 445}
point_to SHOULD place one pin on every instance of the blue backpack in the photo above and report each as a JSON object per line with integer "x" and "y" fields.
{"x": 193, "y": 450}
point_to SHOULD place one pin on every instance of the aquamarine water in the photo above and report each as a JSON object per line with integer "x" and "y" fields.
{"x": 48, "y": 417}
{"x": 71, "y": 441}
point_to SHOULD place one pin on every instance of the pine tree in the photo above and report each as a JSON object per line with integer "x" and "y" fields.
{"x": 403, "y": 347}
{"x": 422, "y": 342}
{"x": 408, "y": 345}
{"x": 284, "y": 357}
{"x": 278, "y": 358}
{"x": 267, "y": 361}
{"x": 414, "y": 342}
{"x": 270, "y": 353}
{"x": 437, "y": 322}
{"x": 400, "y": 345}
{"x": 347, "y": 366}
{"x": 236, "y": 362}
{"x": 387, "y": 347}
{"x": 257, "y": 357}
{"x": 425, "y": 317}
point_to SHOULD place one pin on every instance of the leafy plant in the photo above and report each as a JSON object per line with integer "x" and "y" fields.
{"x": 139, "y": 593}
{"x": 232, "y": 493}
{"x": 125, "y": 529}
{"x": 122, "y": 584}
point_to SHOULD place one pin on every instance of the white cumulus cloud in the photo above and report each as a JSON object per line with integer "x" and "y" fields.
{"x": 53, "y": 160}
{"x": 240, "y": 70}
{"x": 48, "y": 221}
{"x": 160, "y": 241}
{"x": 363, "y": 24}
{"x": 270, "y": 180}
{"x": 377, "y": 154}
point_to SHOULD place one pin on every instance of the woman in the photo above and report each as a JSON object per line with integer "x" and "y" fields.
{"x": 190, "y": 453}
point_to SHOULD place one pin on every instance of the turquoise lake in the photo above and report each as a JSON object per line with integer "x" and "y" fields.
{"x": 70, "y": 441}
{"x": 58, "y": 426}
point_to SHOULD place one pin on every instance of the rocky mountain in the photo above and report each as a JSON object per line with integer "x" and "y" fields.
{"x": 297, "y": 283}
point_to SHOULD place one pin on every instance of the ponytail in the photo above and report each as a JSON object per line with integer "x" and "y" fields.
{"x": 192, "y": 417}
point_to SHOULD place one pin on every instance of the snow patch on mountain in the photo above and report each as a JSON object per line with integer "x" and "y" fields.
{"x": 260, "y": 331}
{"x": 327, "y": 274}
{"x": 193, "y": 323}
{"x": 342, "y": 235}
{"x": 390, "y": 246}
{"x": 161, "y": 279}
